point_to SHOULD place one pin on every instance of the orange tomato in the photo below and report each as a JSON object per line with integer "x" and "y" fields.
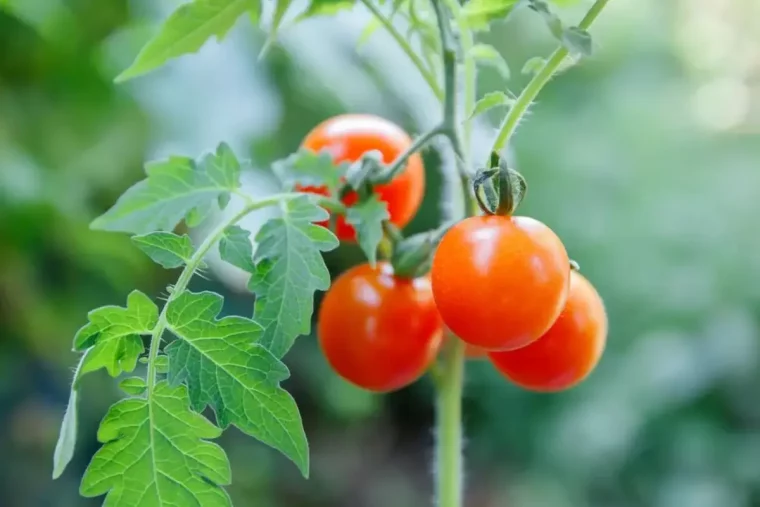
{"x": 568, "y": 352}
{"x": 500, "y": 282}
{"x": 347, "y": 137}
{"x": 378, "y": 331}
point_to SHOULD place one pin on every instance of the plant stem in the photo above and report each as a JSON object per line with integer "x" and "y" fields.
{"x": 400, "y": 162}
{"x": 449, "y": 490}
{"x": 193, "y": 264}
{"x": 535, "y": 85}
{"x": 407, "y": 48}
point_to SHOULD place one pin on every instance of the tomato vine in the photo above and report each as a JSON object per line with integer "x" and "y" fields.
{"x": 234, "y": 364}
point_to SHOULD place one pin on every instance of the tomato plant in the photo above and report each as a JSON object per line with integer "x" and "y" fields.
{"x": 568, "y": 352}
{"x": 377, "y": 330}
{"x": 500, "y": 282}
{"x": 347, "y": 138}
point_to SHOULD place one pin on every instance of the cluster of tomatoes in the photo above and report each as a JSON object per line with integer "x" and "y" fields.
{"x": 504, "y": 285}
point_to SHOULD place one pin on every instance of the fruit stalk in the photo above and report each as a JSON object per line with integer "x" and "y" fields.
{"x": 449, "y": 490}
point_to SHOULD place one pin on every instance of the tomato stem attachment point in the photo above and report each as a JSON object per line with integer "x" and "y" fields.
{"x": 499, "y": 189}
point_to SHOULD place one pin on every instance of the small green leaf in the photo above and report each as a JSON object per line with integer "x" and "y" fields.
{"x": 174, "y": 189}
{"x": 226, "y": 368}
{"x": 112, "y": 336}
{"x": 162, "y": 364}
{"x": 479, "y": 13}
{"x": 491, "y": 100}
{"x": 155, "y": 454}
{"x": 367, "y": 218}
{"x": 289, "y": 269}
{"x": 577, "y": 41}
{"x": 280, "y": 9}
{"x": 186, "y": 31}
{"x": 369, "y": 29}
{"x": 67, "y": 436}
{"x": 165, "y": 248}
{"x": 488, "y": 55}
{"x": 133, "y": 386}
{"x": 306, "y": 168}
{"x": 533, "y": 65}
{"x": 235, "y": 247}
{"x": 326, "y": 8}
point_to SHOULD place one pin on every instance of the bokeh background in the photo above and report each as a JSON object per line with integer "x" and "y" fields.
{"x": 645, "y": 159}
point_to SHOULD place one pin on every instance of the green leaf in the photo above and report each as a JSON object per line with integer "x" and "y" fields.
{"x": 289, "y": 269}
{"x": 577, "y": 41}
{"x": 369, "y": 29}
{"x": 533, "y": 65}
{"x": 326, "y": 8}
{"x": 491, "y": 100}
{"x": 235, "y": 247}
{"x": 367, "y": 218}
{"x": 488, "y": 55}
{"x": 155, "y": 454}
{"x": 67, "y": 436}
{"x": 165, "y": 248}
{"x": 306, "y": 168}
{"x": 134, "y": 386}
{"x": 162, "y": 364}
{"x": 112, "y": 336}
{"x": 280, "y": 9}
{"x": 186, "y": 31}
{"x": 224, "y": 366}
{"x": 479, "y": 13}
{"x": 174, "y": 189}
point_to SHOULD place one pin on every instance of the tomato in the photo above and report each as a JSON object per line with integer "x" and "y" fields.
{"x": 379, "y": 331}
{"x": 568, "y": 352}
{"x": 500, "y": 282}
{"x": 347, "y": 137}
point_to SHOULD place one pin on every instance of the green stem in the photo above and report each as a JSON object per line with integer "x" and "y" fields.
{"x": 194, "y": 263}
{"x": 539, "y": 80}
{"x": 449, "y": 482}
{"x": 407, "y": 48}
{"x": 398, "y": 165}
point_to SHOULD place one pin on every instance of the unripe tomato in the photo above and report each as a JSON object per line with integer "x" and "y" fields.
{"x": 347, "y": 137}
{"x": 568, "y": 352}
{"x": 379, "y": 331}
{"x": 500, "y": 282}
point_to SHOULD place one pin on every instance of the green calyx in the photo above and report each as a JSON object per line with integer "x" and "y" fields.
{"x": 499, "y": 189}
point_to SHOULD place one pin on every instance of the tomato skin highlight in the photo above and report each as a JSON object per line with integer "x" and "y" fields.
{"x": 378, "y": 331}
{"x": 500, "y": 282}
{"x": 568, "y": 352}
{"x": 349, "y": 136}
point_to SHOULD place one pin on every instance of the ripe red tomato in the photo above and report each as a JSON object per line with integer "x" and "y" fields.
{"x": 378, "y": 331}
{"x": 347, "y": 137}
{"x": 500, "y": 282}
{"x": 568, "y": 352}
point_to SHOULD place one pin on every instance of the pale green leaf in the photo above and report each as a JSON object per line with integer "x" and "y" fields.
{"x": 134, "y": 386}
{"x": 174, "y": 189}
{"x": 186, "y": 31}
{"x": 165, "y": 248}
{"x": 326, "y": 8}
{"x": 162, "y": 364}
{"x": 67, "y": 437}
{"x": 533, "y": 65}
{"x": 280, "y": 9}
{"x": 491, "y": 100}
{"x": 369, "y": 29}
{"x": 112, "y": 335}
{"x": 367, "y": 218}
{"x": 289, "y": 269}
{"x": 479, "y": 13}
{"x": 486, "y": 54}
{"x": 306, "y": 168}
{"x": 235, "y": 247}
{"x": 155, "y": 454}
{"x": 224, "y": 366}
{"x": 577, "y": 41}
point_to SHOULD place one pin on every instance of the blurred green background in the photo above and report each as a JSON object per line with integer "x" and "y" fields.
{"x": 645, "y": 159}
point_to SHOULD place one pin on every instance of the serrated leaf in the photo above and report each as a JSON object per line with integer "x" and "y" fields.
{"x": 235, "y": 247}
{"x": 225, "y": 367}
{"x": 186, "y": 31}
{"x": 577, "y": 41}
{"x": 112, "y": 336}
{"x": 174, "y": 189}
{"x": 289, "y": 269}
{"x": 156, "y": 454}
{"x": 306, "y": 168}
{"x": 367, "y": 219}
{"x": 488, "y": 55}
{"x": 479, "y": 13}
{"x": 165, "y": 248}
{"x": 134, "y": 386}
{"x": 491, "y": 100}
{"x": 533, "y": 65}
